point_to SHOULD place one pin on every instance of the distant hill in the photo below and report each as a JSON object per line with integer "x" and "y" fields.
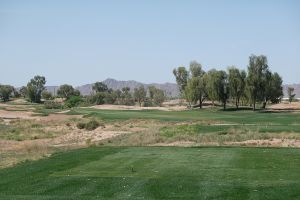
{"x": 296, "y": 91}
{"x": 171, "y": 89}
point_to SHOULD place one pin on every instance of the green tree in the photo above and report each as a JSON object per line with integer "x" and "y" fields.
{"x": 47, "y": 95}
{"x": 126, "y": 96}
{"x": 195, "y": 90}
{"x": 181, "y": 75}
{"x": 140, "y": 94}
{"x": 159, "y": 97}
{"x": 100, "y": 87}
{"x": 291, "y": 94}
{"x": 23, "y": 91}
{"x": 152, "y": 89}
{"x": 272, "y": 88}
{"x": 6, "y": 92}
{"x": 66, "y": 91}
{"x": 236, "y": 83}
{"x": 118, "y": 94}
{"x": 257, "y": 72}
{"x": 211, "y": 79}
{"x": 98, "y": 98}
{"x": 196, "y": 69}
{"x": 35, "y": 88}
{"x": 222, "y": 88}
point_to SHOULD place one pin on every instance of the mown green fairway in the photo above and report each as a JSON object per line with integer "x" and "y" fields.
{"x": 157, "y": 173}
{"x": 241, "y": 117}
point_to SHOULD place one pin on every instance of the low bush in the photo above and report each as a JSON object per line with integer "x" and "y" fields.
{"x": 92, "y": 125}
{"x": 89, "y": 125}
{"x": 80, "y": 125}
{"x": 50, "y": 104}
{"x": 73, "y": 101}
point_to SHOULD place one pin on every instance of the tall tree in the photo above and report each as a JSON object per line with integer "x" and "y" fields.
{"x": 291, "y": 94}
{"x": 6, "y": 92}
{"x": 236, "y": 83}
{"x": 35, "y": 88}
{"x": 152, "y": 89}
{"x": 126, "y": 96}
{"x": 273, "y": 88}
{"x": 181, "y": 75}
{"x": 196, "y": 85}
{"x": 100, "y": 87}
{"x": 222, "y": 88}
{"x": 23, "y": 91}
{"x": 196, "y": 69}
{"x": 211, "y": 79}
{"x": 66, "y": 91}
{"x": 159, "y": 97}
{"x": 257, "y": 70}
{"x": 140, "y": 94}
{"x": 196, "y": 90}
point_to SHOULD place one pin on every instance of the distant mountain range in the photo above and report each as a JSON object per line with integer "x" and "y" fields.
{"x": 296, "y": 91}
{"x": 170, "y": 89}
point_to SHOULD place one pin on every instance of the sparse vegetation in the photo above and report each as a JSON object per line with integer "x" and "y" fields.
{"x": 89, "y": 125}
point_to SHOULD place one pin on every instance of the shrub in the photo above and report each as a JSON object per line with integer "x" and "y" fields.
{"x": 80, "y": 125}
{"x": 50, "y": 104}
{"x": 92, "y": 125}
{"x": 73, "y": 101}
{"x": 148, "y": 103}
{"x": 47, "y": 95}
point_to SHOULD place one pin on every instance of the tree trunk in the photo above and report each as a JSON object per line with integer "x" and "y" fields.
{"x": 237, "y": 103}
{"x": 264, "y": 105}
{"x": 224, "y": 105}
{"x": 254, "y": 103}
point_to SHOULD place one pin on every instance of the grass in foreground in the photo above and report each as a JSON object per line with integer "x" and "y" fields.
{"x": 157, "y": 173}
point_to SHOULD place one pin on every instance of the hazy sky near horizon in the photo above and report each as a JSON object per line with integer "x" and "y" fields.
{"x": 80, "y": 42}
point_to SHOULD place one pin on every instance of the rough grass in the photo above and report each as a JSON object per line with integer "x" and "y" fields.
{"x": 25, "y": 130}
{"x": 157, "y": 173}
{"x": 205, "y": 127}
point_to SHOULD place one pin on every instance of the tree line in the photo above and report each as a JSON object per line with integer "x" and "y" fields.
{"x": 35, "y": 92}
{"x": 256, "y": 85}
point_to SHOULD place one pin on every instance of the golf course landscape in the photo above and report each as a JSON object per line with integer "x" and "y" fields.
{"x": 149, "y": 100}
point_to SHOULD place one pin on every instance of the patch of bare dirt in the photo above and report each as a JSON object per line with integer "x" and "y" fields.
{"x": 56, "y": 117}
{"x": 268, "y": 143}
{"x": 81, "y": 137}
{"x": 285, "y": 106}
{"x": 12, "y": 115}
{"x": 123, "y": 107}
{"x": 5, "y": 114}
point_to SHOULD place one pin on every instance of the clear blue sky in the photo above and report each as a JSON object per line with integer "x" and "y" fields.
{"x": 80, "y": 42}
